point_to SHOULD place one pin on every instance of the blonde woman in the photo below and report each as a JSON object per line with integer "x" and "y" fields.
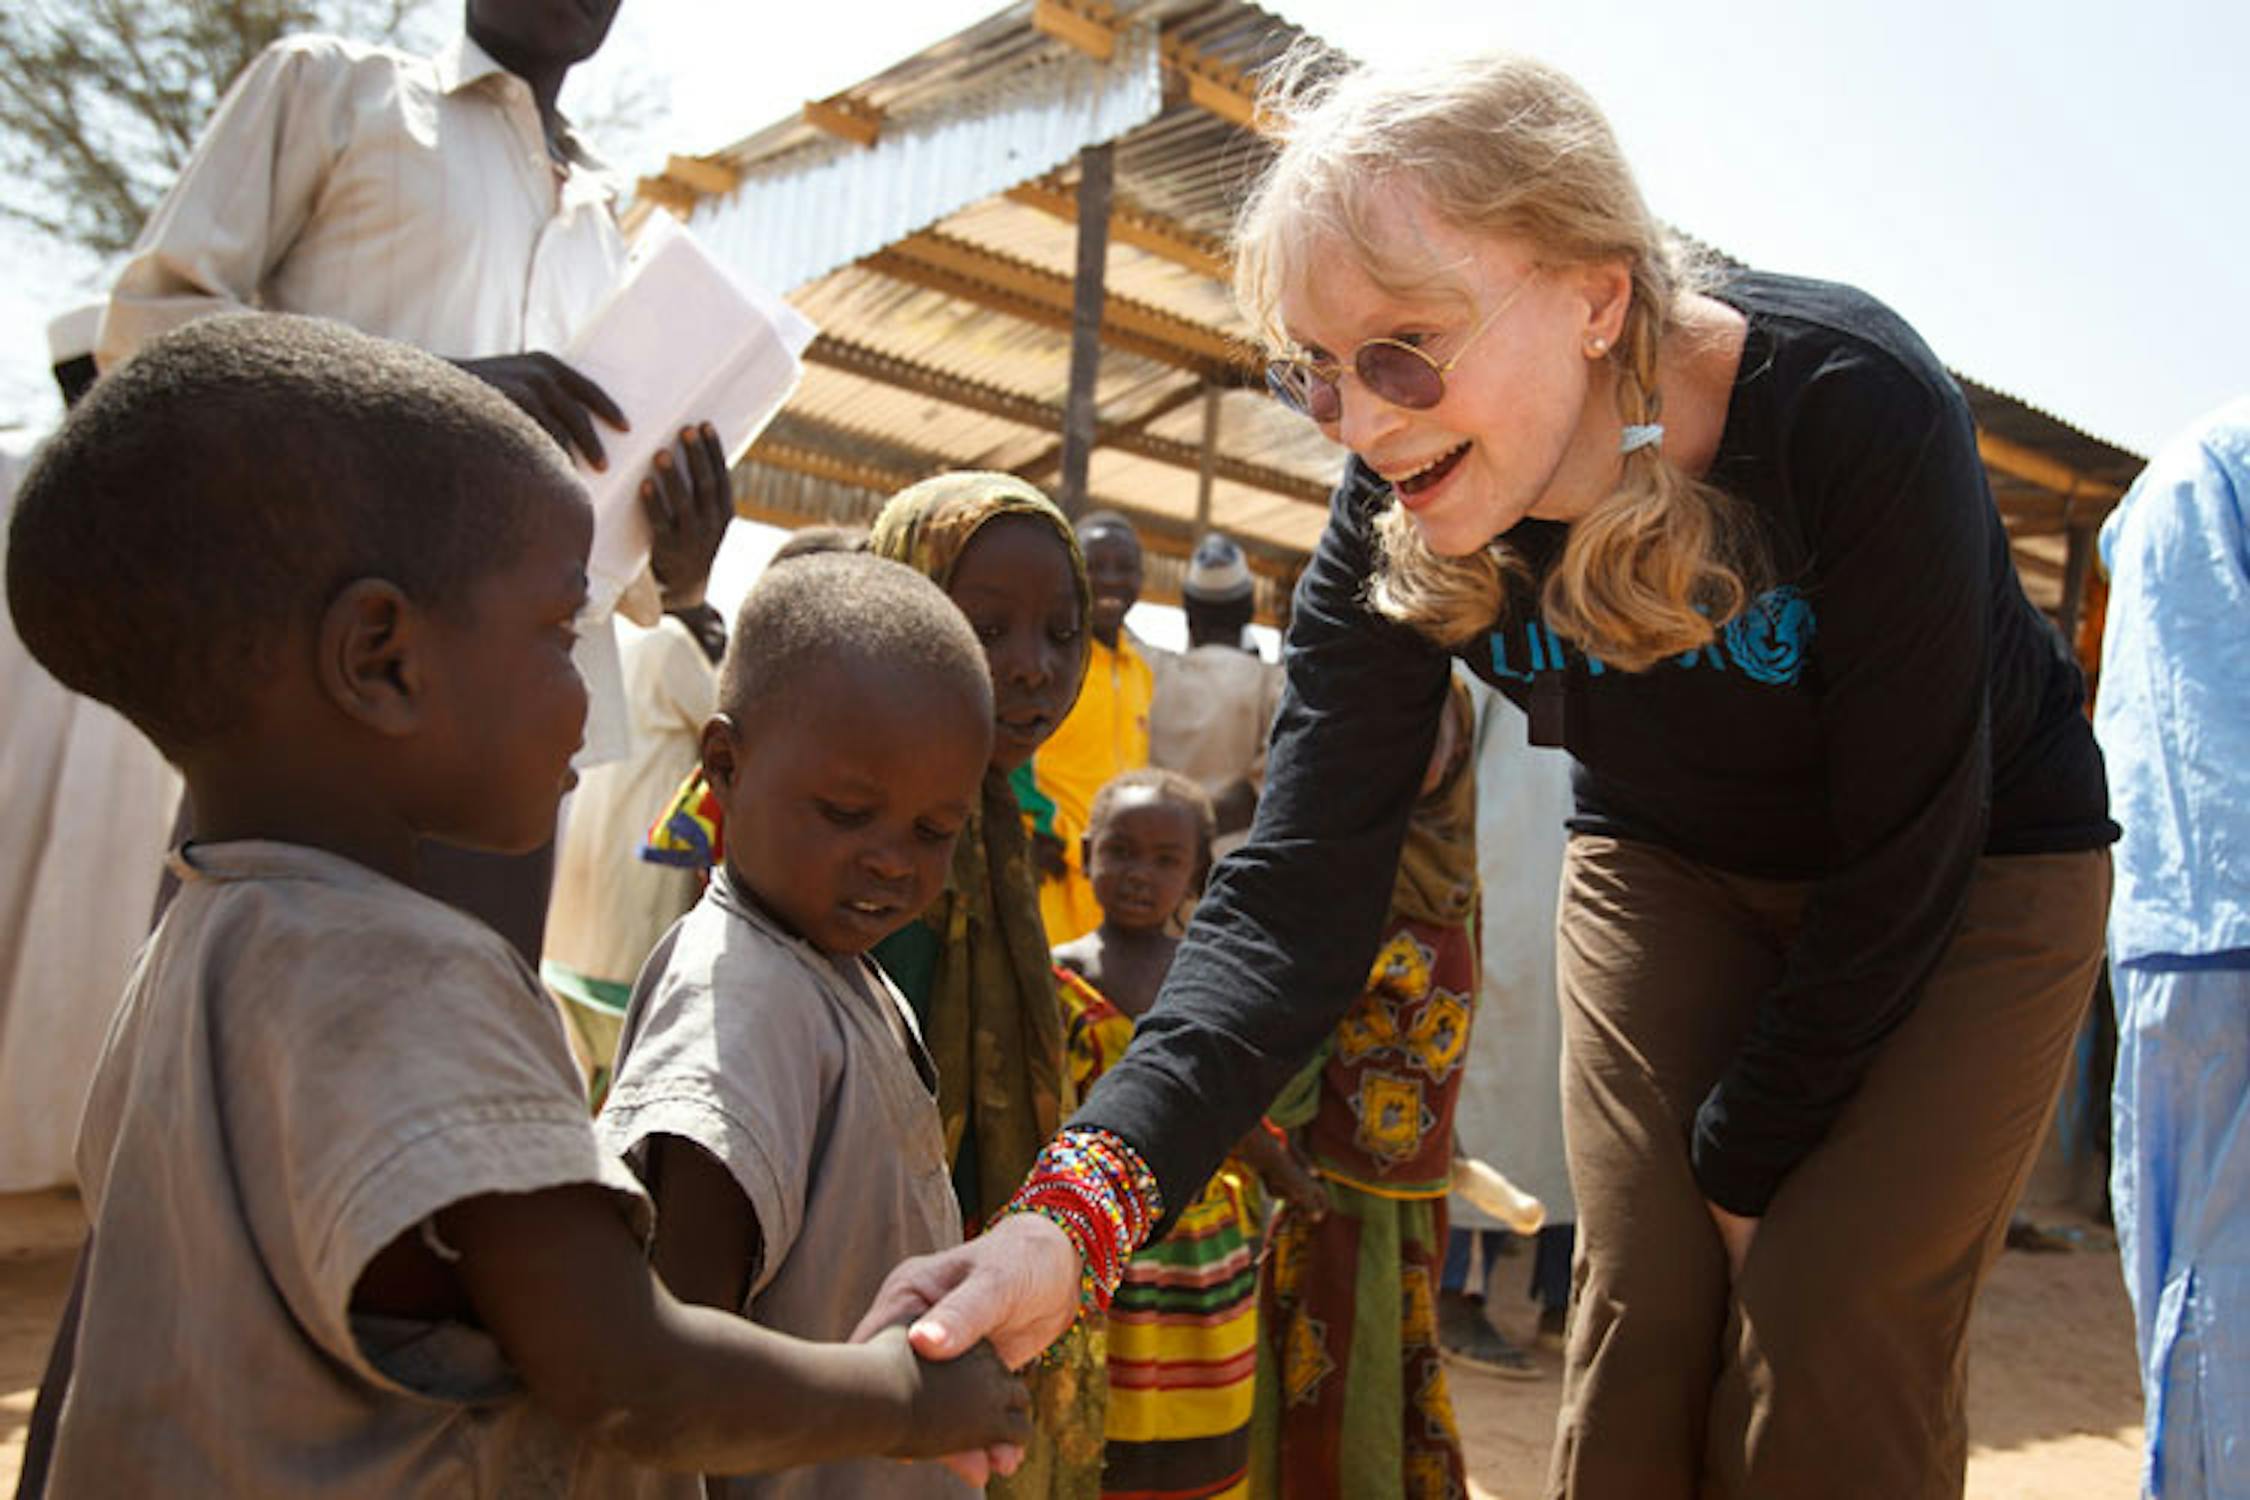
{"x": 1833, "y": 902}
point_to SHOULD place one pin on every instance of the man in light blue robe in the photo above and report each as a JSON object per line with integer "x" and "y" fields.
{"x": 2173, "y": 717}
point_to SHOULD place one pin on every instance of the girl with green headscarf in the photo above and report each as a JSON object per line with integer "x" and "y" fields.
{"x": 976, "y": 967}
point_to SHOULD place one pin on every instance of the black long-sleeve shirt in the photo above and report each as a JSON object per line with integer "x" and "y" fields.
{"x": 1889, "y": 708}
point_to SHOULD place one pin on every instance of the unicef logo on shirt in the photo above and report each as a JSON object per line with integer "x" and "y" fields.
{"x": 1768, "y": 640}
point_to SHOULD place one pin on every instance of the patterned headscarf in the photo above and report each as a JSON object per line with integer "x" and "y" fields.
{"x": 995, "y": 1028}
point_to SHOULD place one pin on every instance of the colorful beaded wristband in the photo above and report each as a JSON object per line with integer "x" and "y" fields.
{"x": 1096, "y": 1189}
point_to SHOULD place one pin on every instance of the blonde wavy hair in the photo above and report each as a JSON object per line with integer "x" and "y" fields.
{"x": 1500, "y": 145}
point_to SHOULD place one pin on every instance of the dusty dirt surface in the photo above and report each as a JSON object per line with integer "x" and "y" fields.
{"x": 2054, "y": 1402}
{"x": 2054, "y": 1397}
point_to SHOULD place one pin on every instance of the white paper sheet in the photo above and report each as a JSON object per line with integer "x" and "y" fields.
{"x": 680, "y": 341}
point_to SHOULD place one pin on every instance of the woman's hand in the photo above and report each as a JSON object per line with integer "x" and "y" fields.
{"x": 1735, "y": 1233}
{"x": 1016, "y": 1285}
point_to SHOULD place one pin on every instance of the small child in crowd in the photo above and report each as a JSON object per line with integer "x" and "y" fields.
{"x": 1183, "y": 1329}
{"x": 353, "y": 1234}
{"x": 1106, "y": 732}
{"x": 974, "y": 966}
{"x": 771, "y": 1086}
{"x": 1352, "y": 1399}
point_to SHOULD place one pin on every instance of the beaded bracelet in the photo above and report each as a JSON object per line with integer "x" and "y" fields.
{"x": 1096, "y": 1189}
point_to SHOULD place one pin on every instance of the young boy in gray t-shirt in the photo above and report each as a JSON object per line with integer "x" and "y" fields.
{"x": 770, "y": 1085}
{"x": 352, "y": 1232}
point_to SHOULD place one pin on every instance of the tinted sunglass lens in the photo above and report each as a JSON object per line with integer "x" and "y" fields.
{"x": 1286, "y": 381}
{"x": 1303, "y": 390}
{"x": 1399, "y": 375}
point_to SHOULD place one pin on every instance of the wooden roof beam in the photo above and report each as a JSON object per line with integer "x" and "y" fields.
{"x": 938, "y": 385}
{"x": 945, "y": 253}
{"x": 1143, "y": 231}
{"x": 1087, "y": 25}
{"x": 799, "y": 458}
{"x": 1111, "y": 434}
{"x": 1031, "y": 310}
{"x": 2034, "y": 467}
{"x": 1212, "y": 85}
{"x": 700, "y": 174}
{"x": 1038, "y": 296}
{"x": 662, "y": 192}
{"x": 1167, "y": 535}
{"x": 846, "y": 118}
{"x": 1125, "y": 437}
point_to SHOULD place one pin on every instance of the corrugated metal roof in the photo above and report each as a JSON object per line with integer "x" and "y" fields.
{"x": 939, "y": 265}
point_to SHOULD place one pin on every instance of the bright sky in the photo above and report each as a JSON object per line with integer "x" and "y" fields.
{"x": 2053, "y": 193}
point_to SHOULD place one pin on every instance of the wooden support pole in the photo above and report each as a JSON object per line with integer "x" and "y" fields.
{"x": 1208, "y": 460}
{"x": 1094, "y": 178}
{"x": 2078, "y": 561}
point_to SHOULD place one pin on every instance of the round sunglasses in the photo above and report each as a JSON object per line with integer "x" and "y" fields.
{"x": 1390, "y": 368}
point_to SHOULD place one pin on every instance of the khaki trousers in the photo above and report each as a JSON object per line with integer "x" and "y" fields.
{"x": 1835, "y": 1366}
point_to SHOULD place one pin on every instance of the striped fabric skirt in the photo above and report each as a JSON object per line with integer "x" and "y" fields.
{"x": 1183, "y": 1353}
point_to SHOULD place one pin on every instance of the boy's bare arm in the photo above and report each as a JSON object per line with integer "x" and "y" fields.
{"x": 560, "y": 1283}
{"x": 708, "y": 1245}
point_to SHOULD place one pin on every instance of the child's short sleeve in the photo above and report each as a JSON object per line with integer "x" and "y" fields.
{"x": 732, "y": 1045}
{"x": 384, "y": 1058}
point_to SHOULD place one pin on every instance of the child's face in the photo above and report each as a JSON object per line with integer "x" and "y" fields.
{"x": 1014, "y": 582}
{"x": 1113, "y": 567}
{"x": 1142, "y": 858}
{"x": 508, "y": 708}
{"x": 843, "y": 804}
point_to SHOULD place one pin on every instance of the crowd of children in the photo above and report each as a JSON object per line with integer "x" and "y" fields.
{"x": 338, "y": 1143}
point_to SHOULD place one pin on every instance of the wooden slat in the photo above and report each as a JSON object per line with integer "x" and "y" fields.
{"x": 1110, "y": 435}
{"x": 711, "y": 178}
{"x": 943, "y": 252}
{"x": 1025, "y": 411}
{"x": 677, "y": 197}
{"x": 1165, "y": 535}
{"x": 1031, "y": 310}
{"x": 1150, "y": 232}
{"x": 1086, "y": 25}
{"x": 846, "y": 118}
{"x": 1214, "y": 86}
{"x": 2037, "y": 468}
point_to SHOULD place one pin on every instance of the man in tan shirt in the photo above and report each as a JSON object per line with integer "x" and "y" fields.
{"x": 1215, "y": 701}
{"x": 444, "y": 202}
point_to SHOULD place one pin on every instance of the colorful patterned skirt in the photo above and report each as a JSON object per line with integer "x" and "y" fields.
{"x": 1352, "y": 1402}
{"x": 1183, "y": 1329}
{"x": 1183, "y": 1353}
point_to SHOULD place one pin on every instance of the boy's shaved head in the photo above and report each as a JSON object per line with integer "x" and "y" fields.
{"x": 834, "y": 613}
{"x": 211, "y": 498}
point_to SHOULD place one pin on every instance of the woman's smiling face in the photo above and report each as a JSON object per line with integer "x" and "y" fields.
{"x": 1516, "y": 408}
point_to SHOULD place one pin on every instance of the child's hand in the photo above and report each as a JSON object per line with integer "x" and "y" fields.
{"x": 1285, "y": 1173}
{"x": 688, "y": 505}
{"x": 1298, "y": 1186}
{"x": 967, "y": 1406}
{"x": 1047, "y": 858}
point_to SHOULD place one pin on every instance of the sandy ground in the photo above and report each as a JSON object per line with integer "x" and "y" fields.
{"x": 2054, "y": 1403}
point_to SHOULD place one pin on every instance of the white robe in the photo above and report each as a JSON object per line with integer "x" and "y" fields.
{"x": 88, "y": 810}
{"x": 1510, "y": 1109}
